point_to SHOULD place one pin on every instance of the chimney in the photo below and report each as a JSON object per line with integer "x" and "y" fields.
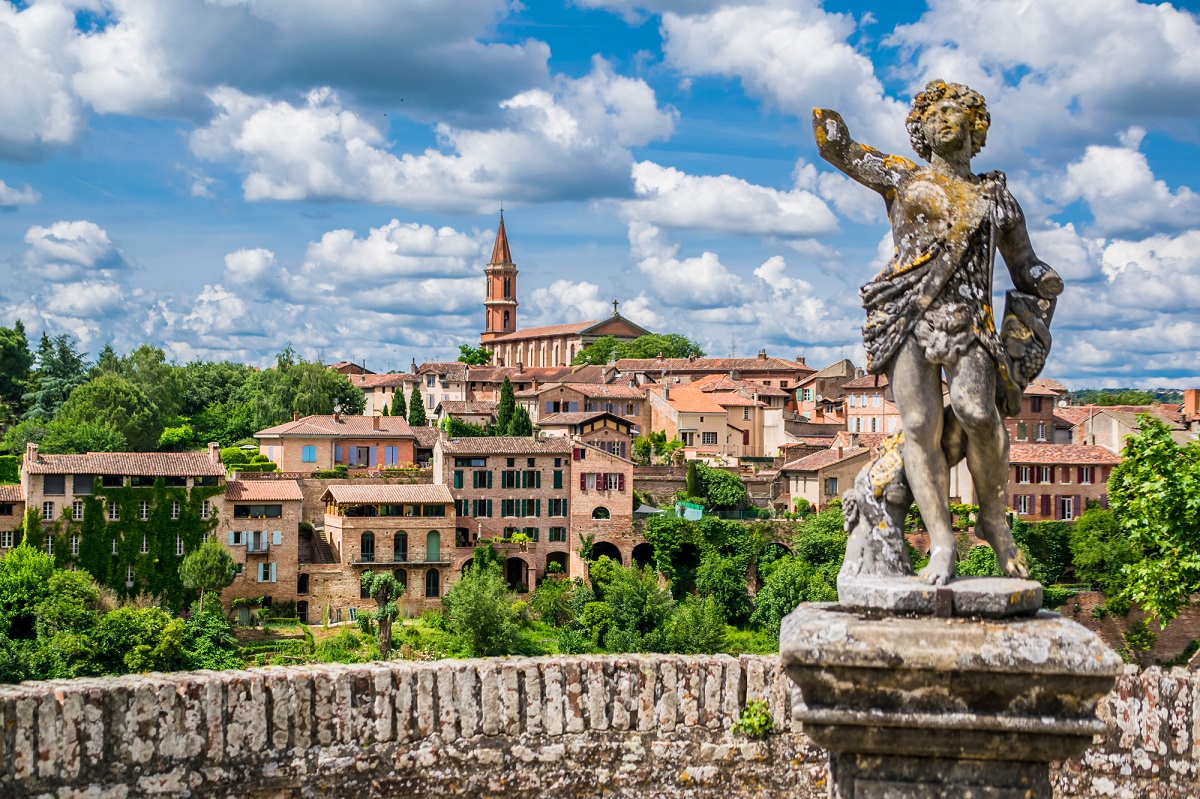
{"x": 666, "y": 396}
{"x": 762, "y": 355}
{"x": 214, "y": 452}
{"x": 295, "y": 416}
{"x": 800, "y": 360}
{"x": 858, "y": 372}
{"x": 31, "y": 452}
{"x": 337, "y": 417}
{"x": 375, "y": 423}
{"x": 839, "y": 453}
{"x": 535, "y": 386}
{"x": 414, "y": 366}
{"x": 520, "y": 367}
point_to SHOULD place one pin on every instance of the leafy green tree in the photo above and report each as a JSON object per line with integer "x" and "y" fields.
{"x": 163, "y": 382}
{"x": 15, "y": 362}
{"x": 293, "y": 385}
{"x": 639, "y": 610}
{"x": 552, "y": 601}
{"x": 1047, "y": 548}
{"x": 207, "y": 568}
{"x": 791, "y": 582}
{"x": 23, "y": 433}
{"x": 133, "y": 639}
{"x": 652, "y": 345}
{"x": 1100, "y": 551}
{"x": 521, "y": 425}
{"x": 723, "y": 579}
{"x": 481, "y": 613}
{"x": 107, "y": 362}
{"x": 505, "y": 407}
{"x": 177, "y": 439}
{"x": 1155, "y": 495}
{"x": 822, "y": 543}
{"x": 63, "y": 437}
{"x": 416, "y": 408}
{"x": 59, "y": 367}
{"x": 980, "y": 562}
{"x": 723, "y": 489}
{"x": 384, "y": 588}
{"x": 696, "y": 627}
{"x": 120, "y": 404}
{"x": 25, "y": 574}
{"x": 208, "y": 643}
{"x": 473, "y": 356}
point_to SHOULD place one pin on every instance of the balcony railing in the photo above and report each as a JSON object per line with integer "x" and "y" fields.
{"x": 259, "y": 548}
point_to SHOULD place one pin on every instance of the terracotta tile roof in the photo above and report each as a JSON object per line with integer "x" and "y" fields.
{"x": 711, "y": 365}
{"x": 426, "y": 436}
{"x": 1069, "y": 454}
{"x": 1034, "y": 389}
{"x": 870, "y": 440}
{"x": 867, "y": 381}
{"x": 263, "y": 491}
{"x": 690, "y": 400}
{"x": 345, "y": 427}
{"x": 1052, "y": 384}
{"x": 11, "y": 493}
{"x": 823, "y": 459}
{"x": 810, "y": 441}
{"x": 579, "y": 417}
{"x": 843, "y": 368}
{"x": 589, "y": 390}
{"x": 153, "y": 464}
{"x": 548, "y": 330}
{"x": 451, "y": 371}
{"x": 468, "y": 407}
{"x": 387, "y": 494}
{"x": 500, "y": 253}
{"x": 731, "y": 399}
{"x": 506, "y": 445}
{"x": 371, "y": 381}
{"x": 710, "y": 383}
{"x": 1072, "y": 415}
{"x": 542, "y": 374}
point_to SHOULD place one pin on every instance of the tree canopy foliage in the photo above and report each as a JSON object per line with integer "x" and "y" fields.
{"x": 473, "y": 356}
{"x": 652, "y": 345}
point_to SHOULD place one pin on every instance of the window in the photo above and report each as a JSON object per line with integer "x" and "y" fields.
{"x": 175, "y": 509}
{"x": 481, "y": 479}
{"x": 430, "y": 381}
{"x": 235, "y": 538}
{"x": 400, "y": 547}
{"x": 129, "y": 577}
{"x": 206, "y": 509}
{"x": 302, "y": 607}
{"x": 77, "y": 510}
{"x": 831, "y": 486}
{"x": 112, "y": 481}
{"x": 1022, "y": 474}
{"x": 49, "y": 545}
{"x": 308, "y": 454}
{"x": 144, "y": 510}
{"x": 257, "y": 511}
{"x": 266, "y": 572}
{"x": 616, "y": 481}
{"x": 205, "y": 480}
{"x": 601, "y": 513}
{"x": 367, "y": 548}
{"x": 1045, "y": 474}
{"x": 301, "y": 585}
{"x": 458, "y": 479}
{"x": 531, "y": 479}
{"x": 175, "y": 481}
{"x": 470, "y": 462}
{"x": 877, "y": 400}
{"x": 1035, "y": 404}
{"x": 363, "y": 593}
{"x": 509, "y": 478}
{"x": 1087, "y": 474}
{"x": 746, "y": 414}
{"x": 433, "y": 581}
{"x": 178, "y": 544}
{"x": 47, "y": 511}
{"x": 114, "y": 511}
{"x": 806, "y": 394}
{"x": 708, "y": 438}
{"x": 508, "y": 507}
{"x": 558, "y": 534}
{"x": 114, "y": 546}
{"x": 433, "y": 510}
{"x": 84, "y": 483}
{"x": 75, "y": 544}
{"x": 1066, "y": 475}
{"x": 556, "y": 507}
{"x": 1066, "y": 507}
{"x": 531, "y": 507}
{"x": 54, "y": 484}
{"x": 433, "y": 546}
{"x": 145, "y": 545}
{"x": 1023, "y": 503}
{"x": 6, "y": 539}
{"x": 6, "y": 509}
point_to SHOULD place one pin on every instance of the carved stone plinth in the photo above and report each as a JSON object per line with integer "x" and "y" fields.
{"x": 921, "y": 707}
{"x": 990, "y": 597}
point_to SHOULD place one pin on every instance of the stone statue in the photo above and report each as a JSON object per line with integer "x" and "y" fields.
{"x": 930, "y": 311}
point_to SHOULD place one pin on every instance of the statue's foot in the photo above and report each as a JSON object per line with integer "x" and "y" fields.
{"x": 940, "y": 569}
{"x": 1010, "y": 558}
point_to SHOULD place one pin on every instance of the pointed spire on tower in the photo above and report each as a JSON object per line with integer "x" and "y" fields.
{"x": 500, "y": 253}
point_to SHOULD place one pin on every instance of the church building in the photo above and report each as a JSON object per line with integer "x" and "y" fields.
{"x": 554, "y": 345}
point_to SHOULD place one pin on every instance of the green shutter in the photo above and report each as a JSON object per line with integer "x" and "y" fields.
{"x": 489, "y": 482}
{"x": 538, "y": 479}
{"x": 489, "y": 508}
{"x": 558, "y": 483}
{"x": 537, "y": 507}
{"x": 458, "y": 479}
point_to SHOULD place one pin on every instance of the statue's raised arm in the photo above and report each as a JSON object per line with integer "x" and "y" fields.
{"x": 861, "y": 162}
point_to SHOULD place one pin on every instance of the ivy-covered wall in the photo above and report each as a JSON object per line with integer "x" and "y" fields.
{"x": 157, "y": 571}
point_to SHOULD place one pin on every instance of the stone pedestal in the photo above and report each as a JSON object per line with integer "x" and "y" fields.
{"x": 925, "y": 708}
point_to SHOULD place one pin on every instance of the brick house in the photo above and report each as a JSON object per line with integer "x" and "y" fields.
{"x": 1109, "y": 425}
{"x": 602, "y": 504}
{"x": 406, "y": 529}
{"x": 618, "y": 398}
{"x": 600, "y": 429}
{"x": 691, "y": 416}
{"x": 777, "y": 372}
{"x": 823, "y": 392}
{"x": 505, "y": 485}
{"x": 1035, "y": 423}
{"x": 480, "y": 412}
{"x": 261, "y": 528}
{"x": 12, "y": 514}
{"x": 315, "y": 443}
{"x": 821, "y": 477}
{"x": 869, "y": 405}
{"x": 1056, "y": 481}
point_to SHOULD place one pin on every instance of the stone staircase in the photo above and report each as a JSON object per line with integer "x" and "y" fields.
{"x": 321, "y": 551}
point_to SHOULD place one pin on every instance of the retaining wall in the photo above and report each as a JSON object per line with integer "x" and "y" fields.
{"x": 622, "y": 726}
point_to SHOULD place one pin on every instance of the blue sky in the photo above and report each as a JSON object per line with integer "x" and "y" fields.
{"x": 224, "y": 178}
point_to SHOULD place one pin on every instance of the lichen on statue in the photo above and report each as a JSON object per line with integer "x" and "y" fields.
{"x": 929, "y": 312}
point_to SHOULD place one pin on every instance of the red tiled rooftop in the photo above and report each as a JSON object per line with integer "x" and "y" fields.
{"x": 1069, "y": 454}
{"x": 151, "y": 464}
{"x": 826, "y": 457}
{"x": 344, "y": 427}
{"x": 506, "y": 445}
{"x": 689, "y": 400}
{"x": 387, "y": 494}
{"x": 263, "y": 491}
{"x": 11, "y": 493}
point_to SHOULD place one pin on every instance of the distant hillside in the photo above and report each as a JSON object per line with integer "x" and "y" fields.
{"x": 1126, "y": 396}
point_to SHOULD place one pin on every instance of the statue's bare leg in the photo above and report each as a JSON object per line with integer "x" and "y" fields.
{"x": 973, "y": 400}
{"x": 917, "y": 386}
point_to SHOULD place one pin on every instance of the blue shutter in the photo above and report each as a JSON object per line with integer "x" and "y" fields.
{"x": 231, "y": 538}
{"x": 372, "y": 456}
{"x": 272, "y": 572}
{"x": 353, "y": 452}
{"x": 277, "y": 537}
{"x": 337, "y": 453}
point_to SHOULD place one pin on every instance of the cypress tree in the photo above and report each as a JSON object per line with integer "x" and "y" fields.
{"x": 398, "y": 407}
{"x": 385, "y": 411}
{"x": 693, "y": 479}
{"x": 504, "y": 408}
{"x": 521, "y": 425}
{"x": 416, "y": 408}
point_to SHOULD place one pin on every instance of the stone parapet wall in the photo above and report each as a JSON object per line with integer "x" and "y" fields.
{"x": 623, "y": 726}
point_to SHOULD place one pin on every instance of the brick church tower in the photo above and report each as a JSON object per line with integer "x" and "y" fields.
{"x": 500, "y": 303}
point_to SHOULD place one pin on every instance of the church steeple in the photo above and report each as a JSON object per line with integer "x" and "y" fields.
{"x": 500, "y": 303}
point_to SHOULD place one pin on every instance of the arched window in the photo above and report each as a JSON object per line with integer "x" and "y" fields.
{"x": 507, "y": 288}
{"x": 400, "y": 548}
{"x": 433, "y": 546}
{"x": 433, "y": 583}
{"x": 600, "y": 513}
{"x": 506, "y": 320}
{"x": 367, "y": 548}
{"x": 401, "y": 576}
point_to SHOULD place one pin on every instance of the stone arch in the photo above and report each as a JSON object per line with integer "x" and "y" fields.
{"x": 563, "y": 559}
{"x": 467, "y": 565}
{"x": 516, "y": 574}
{"x": 602, "y": 548}
{"x": 601, "y": 513}
{"x": 643, "y": 555}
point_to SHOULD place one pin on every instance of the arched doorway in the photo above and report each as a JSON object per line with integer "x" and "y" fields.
{"x": 433, "y": 546}
{"x": 643, "y": 555}
{"x": 516, "y": 574}
{"x": 602, "y": 548}
{"x": 433, "y": 583}
{"x": 557, "y": 563}
{"x": 366, "y": 550}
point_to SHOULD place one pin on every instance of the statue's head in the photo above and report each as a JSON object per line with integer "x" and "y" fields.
{"x": 942, "y": 114}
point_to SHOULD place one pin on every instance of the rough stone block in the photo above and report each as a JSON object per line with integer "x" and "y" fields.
{"x": 989, "y": 597}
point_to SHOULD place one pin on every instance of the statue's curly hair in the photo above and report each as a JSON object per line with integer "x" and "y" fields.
{"x": 972, "y": 101}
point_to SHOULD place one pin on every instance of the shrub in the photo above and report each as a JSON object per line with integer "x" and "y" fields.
{"x": 755, "y": 720}
{"x": 10, "y": 469}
